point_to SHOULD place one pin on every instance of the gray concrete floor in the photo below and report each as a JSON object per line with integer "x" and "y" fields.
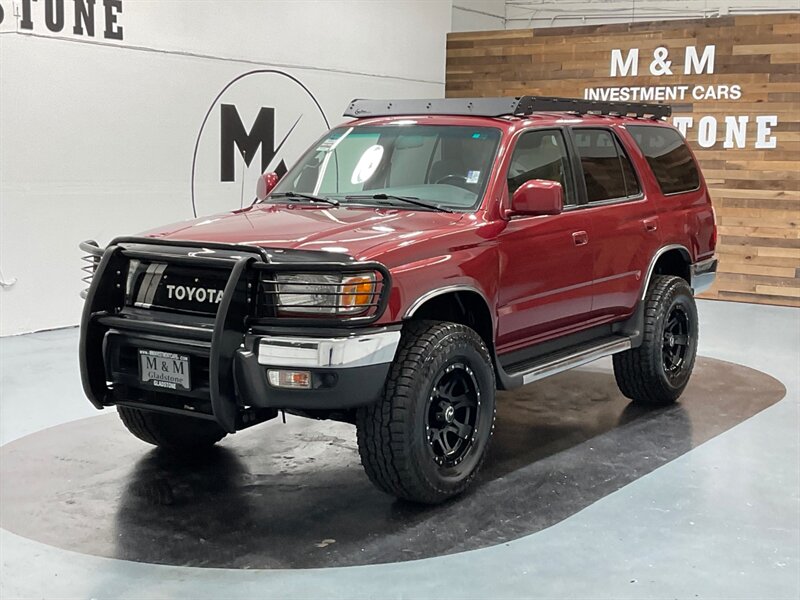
{"x": 722, "y": 521}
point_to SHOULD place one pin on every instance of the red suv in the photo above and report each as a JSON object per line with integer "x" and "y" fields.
{"x": 413, "y": 261}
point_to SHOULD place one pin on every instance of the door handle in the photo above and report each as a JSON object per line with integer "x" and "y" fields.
{"x": 581, "y": 238}
{"x": 650, "y": 224}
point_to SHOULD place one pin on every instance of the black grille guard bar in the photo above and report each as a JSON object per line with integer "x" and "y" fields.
{"x": 106, "y": 297}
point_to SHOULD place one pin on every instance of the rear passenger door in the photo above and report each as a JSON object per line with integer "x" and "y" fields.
{"x": 622, "y": 222}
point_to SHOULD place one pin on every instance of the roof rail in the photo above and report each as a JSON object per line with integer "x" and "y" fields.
{"x": 501, "y": 107}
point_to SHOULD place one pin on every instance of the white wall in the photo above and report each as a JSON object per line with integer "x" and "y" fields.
{"x": 97, "y": 135}
{"x": 478, "y": 15}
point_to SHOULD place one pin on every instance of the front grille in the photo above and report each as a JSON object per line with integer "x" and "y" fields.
{"x": 175, "y": 288}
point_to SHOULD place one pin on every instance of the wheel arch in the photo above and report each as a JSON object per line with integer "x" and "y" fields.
{"x": 673, "y": 259}
{"x": 462, "y": 304}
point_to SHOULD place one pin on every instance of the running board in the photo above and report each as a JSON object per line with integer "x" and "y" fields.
{"x": 565, "y": 360}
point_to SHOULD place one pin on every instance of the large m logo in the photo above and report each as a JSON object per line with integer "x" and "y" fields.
{"x": 233, "y": 132}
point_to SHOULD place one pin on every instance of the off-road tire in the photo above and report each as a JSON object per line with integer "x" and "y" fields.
{"x": 641, "y": 373}
{"x": 172, "y": 432}
{"x": 393, "y": 439}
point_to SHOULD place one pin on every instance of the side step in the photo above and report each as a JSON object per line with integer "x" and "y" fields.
{"x": 569, "y": 358}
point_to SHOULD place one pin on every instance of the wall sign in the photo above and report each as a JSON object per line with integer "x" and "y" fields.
{"x": 731, "y": 131}
{"x": 260, "y": 121}
{"x": 81, "y": 18}
{"x": 234, "y": 136}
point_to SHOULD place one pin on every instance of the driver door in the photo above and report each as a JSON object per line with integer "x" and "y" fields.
{"x": 545, "y": 287}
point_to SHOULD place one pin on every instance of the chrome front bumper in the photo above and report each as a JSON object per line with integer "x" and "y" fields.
{"x": 347, "y": 371}
{"x": 325, "y": 353}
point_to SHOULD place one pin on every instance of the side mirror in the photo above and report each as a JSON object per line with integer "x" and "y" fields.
{"x": 266, "y": 183}
{"x": 537, "y": 197}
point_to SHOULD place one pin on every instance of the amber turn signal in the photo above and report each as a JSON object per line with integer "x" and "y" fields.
{"x": 289, "y": 379}
{"x": 357, "y": 292}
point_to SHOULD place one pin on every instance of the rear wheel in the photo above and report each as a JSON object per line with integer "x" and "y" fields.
{"x": 426, "y": 438}
{"x": 657, "y": 372}
{"x": 172, "y": 432}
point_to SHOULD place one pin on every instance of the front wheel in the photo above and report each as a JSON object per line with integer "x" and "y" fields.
{"x": 657, "y": 372}
{"x": 427, "y": 436}
{"x": 172, "y": 432}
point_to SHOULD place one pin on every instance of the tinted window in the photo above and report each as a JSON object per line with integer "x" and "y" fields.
{"x": 541, "y": 155}
{"x": 668, "y": 157}
{"x": 607, "y": 169}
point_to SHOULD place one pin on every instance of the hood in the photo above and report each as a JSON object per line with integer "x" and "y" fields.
{"x": 352, "y": 230}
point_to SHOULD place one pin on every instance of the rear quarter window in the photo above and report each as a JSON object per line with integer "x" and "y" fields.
{"x": 668, "y": 156}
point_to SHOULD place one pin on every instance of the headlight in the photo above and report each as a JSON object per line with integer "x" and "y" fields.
{"x": 313, "y": 293}
{"x": 308, "y": 293}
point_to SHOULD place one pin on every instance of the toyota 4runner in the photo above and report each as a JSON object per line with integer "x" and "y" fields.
{"x": 413, "y": 261}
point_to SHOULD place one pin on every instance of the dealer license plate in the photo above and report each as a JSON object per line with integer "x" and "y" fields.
{"x": 164, "y": 369}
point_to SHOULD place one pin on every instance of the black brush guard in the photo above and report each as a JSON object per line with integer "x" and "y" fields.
{"x": 218, "y": 337}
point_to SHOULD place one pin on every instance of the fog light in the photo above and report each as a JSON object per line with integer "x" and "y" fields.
{"x": 289, "y": 379}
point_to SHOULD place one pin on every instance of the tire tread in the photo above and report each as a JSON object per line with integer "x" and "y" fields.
{"x": 170, "y": 431}
{"x": 637, "y": 371}
{"x": 383, "y": 427}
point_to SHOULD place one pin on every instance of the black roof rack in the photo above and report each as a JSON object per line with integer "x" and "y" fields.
{"x": 501, "y": 107}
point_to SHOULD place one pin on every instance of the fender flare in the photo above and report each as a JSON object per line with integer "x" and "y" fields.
{"x": 633, "y": 327}
{"x": 660, "y": 252}
{"x": 429, "y": 295}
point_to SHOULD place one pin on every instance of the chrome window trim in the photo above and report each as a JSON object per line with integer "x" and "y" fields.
{"x": 613, "y": 201}
{"x": 671, "y": 194}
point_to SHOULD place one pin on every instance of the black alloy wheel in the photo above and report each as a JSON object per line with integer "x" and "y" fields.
{"x": 425, "y": 439}
{"x": 453, "y": 409}
{"x": 677, "y": 332}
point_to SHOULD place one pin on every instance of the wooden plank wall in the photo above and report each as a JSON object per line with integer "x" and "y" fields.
{"x": 755, "y": 190}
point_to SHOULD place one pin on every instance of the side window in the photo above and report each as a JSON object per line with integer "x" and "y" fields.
{"x": 607, "y": 170}
{"x": 668, "y": 157}
{"x": 541, "y": 155}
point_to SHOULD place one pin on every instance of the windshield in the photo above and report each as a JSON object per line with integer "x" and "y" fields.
{"x": 442, "y": 165}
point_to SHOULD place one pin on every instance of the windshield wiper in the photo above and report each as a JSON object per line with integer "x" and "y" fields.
{"x": 410, "y": 199}
{"x": 310, "y": 197}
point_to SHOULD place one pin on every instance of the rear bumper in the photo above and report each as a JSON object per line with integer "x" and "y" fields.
{"x": 703, "y": 274}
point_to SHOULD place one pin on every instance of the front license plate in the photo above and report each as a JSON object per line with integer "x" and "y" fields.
{"x": 164, "y": 369}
